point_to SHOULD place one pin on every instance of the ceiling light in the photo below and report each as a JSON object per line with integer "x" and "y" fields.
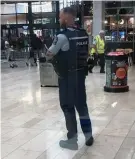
{"x": 113, "y": 23}
{"x": 122, "y": 21}
{"x": 131, "y": 20}
{"x": 105, "y": 21}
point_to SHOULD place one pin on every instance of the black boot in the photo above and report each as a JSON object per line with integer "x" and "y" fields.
{"x": 102, "y": 71}
{"x": 89, "y": 141}
{"x": 69, "y": 144}
{"x": 90, "y": 71}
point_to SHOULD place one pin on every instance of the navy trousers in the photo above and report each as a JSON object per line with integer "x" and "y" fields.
{"x": 72, "y": 95}
{"x": 102, "y": 61}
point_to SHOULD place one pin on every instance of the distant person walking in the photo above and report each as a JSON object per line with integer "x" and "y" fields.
{"x": 36, "y": 47}
{"x": 98, "y": 50}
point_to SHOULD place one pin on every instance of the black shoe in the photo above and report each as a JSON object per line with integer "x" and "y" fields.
{"x": 12, "y": 66}
{"x": 9, "y": 59}
{"x": 15, "y": 65}
{"x": 102, "y": 71}
{"x": 90, "y": 141}
{"x": 27, "y": 64}
{"x": 90, "y": 71}
{"x": 67, "y": 144}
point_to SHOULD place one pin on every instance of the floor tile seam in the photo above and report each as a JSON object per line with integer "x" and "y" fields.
{"x": 85, "y": 151}
{"x": 20, "y": 133}
{"x": 20, "y": 150}
{"x": 14, "y": 127}
{"x": 21, "y": 145}
{"x": 36, "y": 116}
{"x": 8, "y": 132}
{"x": 14, "y": 116}
{"x": 123, "y": 140}
{"x": 110, "y": 120}
{"x": 133, "y": 155}
{"x": 124, "y": 149}
{"x": 46, "y": 127}
{"x": 132, "y": 126}
{"x": 99, "y": 113}
{"x": 9, "y": 107}
{"x": 25, "y": 143}
{"x": 38, "y": 121}
{"x": 49, "y": 147}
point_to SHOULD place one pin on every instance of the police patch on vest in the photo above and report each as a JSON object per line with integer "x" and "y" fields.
{"x": 55, "y": 40}
{"x": 82, "y": 43}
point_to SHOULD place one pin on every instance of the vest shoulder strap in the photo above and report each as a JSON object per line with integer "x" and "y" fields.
{"x": 61, "y": 32}
{"x": 97, "y": 38}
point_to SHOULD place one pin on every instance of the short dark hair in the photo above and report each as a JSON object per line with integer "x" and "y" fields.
{"x": 70, "y": 10}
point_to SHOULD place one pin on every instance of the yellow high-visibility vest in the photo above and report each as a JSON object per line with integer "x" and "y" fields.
{"x": 100, "y": 45}
{"x": 92, "y": 51}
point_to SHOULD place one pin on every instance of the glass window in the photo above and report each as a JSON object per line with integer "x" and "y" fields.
{"x": 48, "y": 20}
{"x": 47, "y": 7}
{"x": 8, "y": 9}
{"x": 22, "y": 7}
{"x": 111, "y": 11}
{"x": 37, "y": 21}
{"x": 21, "y": 18}
{"x": 37, "y": 18}
{"x": 61, "y": 4}
{"x": 34, "y": 3}
{"x": 127, "y": 4}
{"x": 8, "y": 19}
{"x": 53, "y": 6}
{"x": 36, "y": 8}
{"x": 44, "y": 7}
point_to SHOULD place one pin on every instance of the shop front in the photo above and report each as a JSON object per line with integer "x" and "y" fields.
{"x": 120, "y": 27}
{"x": 29, "y": 17}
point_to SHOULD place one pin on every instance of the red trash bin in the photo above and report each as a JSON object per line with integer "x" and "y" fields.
{"x": 116, "y": 72}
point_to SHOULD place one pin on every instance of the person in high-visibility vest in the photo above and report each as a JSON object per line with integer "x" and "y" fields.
{"x": 99, "y": 49}
{"x": 91, "y": 60}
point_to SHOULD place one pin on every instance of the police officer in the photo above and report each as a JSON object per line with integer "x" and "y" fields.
{"x": 69, "y": 53}
{"x": 99, "y": 49}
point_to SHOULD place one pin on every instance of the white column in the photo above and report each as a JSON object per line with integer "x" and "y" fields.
{"x": 98, "y": 16}
{"x": 134, "y": 37}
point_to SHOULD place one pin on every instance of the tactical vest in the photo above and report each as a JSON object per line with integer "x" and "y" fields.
{"x": 76, "y": 57}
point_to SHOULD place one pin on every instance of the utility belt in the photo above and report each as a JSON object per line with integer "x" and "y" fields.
{"x": 73, "y": 70}
{"x": 64, "y": 72}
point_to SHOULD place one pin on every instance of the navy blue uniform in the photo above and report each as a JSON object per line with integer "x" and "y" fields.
{"x": 70, "y": 63}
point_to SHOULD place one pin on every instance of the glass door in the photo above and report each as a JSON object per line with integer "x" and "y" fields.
{"x": 5, "y": 32}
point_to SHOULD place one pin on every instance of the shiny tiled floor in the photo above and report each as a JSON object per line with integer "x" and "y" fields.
{"x": 33, "y": 124}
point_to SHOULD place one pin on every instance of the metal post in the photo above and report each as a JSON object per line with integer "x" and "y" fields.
{"x": 16, "y": 19}
{"x": 57, "y": 12}
{"x": 134, "y": 37}
{"x": 30, "y": 18}
{"x": 82, "y": 14}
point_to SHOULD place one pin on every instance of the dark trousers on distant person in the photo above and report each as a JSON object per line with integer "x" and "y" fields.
{"x": 102, "y": 62}
{"x": 92, "y": 62}
{"x": 73, "y": 95}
